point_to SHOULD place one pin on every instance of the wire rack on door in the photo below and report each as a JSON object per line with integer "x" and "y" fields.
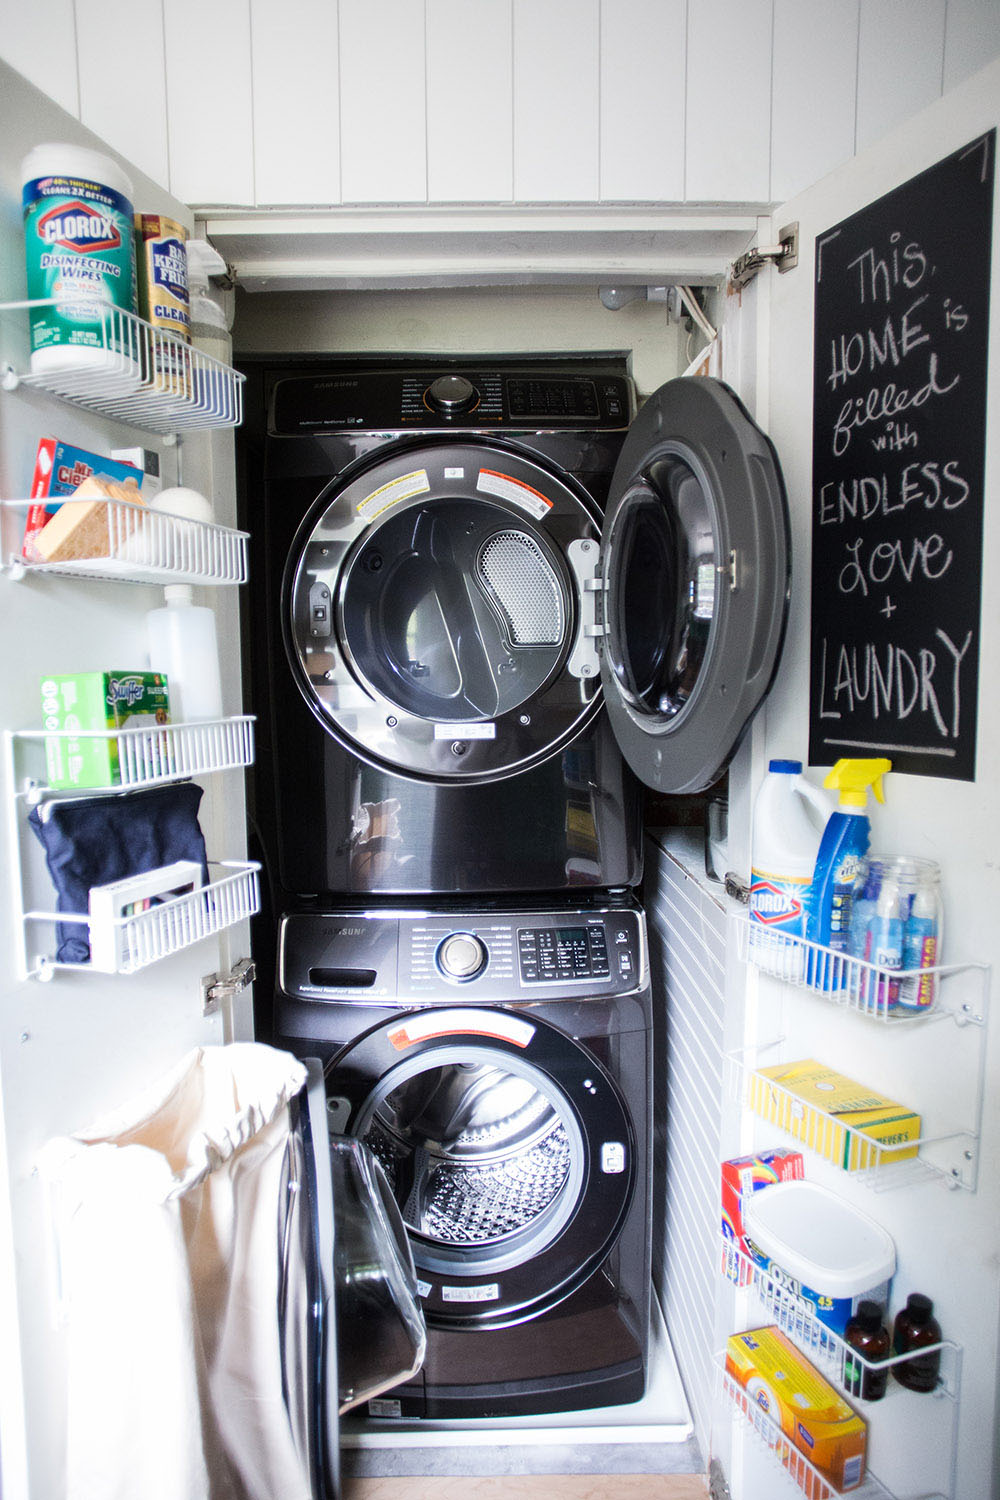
{"x": 950, "y": 1154}
{"x": 138, "y": 375}
{"x": 154, "y": 753}
{"x": 854, "y": 983}
{"x": 798, "y": 1319}
{"x": 142, "y": 938}
{"x": 124, "y": 542}
{"x": 787, "y": 1458}
{"x": 137, "y": 758}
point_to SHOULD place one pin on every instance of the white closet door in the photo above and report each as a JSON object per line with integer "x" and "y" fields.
{"x": 469, "y": 99}
{"x": 383, "y": 123}
{"x": 128, "y": 108}
{"x": 814, "y": 91}
{"x": 556, "y": 83}
{"x": 209, "y": 114}
{"x": 899, "y": 63}
{"x": 643, "y": 45}
{"x": 295, "y": 49}
{"x": 729, "y": 101}
{"x": 39, "y": 40}
{"x": 971, "y": 38}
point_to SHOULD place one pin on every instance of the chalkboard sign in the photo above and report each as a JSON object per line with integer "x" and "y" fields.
{"x": 899, "y": 436}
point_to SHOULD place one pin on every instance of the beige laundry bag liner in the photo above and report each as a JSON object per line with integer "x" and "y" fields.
{"x": 166, "y": 1215}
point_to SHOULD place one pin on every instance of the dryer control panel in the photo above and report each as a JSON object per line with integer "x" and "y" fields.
{"x": 485, "y": 957}
{"x": 470, "y": 398}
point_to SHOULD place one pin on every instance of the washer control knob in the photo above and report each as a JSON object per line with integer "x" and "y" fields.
{"x": 451, "y": 394}
{"x": 461, "y": 956}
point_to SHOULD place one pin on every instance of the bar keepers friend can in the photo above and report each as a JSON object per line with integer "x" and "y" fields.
{"x": 162, "y": 274}
{"x": 80, "y": 252}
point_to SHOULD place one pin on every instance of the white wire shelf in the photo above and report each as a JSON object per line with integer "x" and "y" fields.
{"x": 145, "y": 937}
{"x": 154, "y": 754}
{"x": 811, "y": 1481}
{"x": 842, "y": 979}
{"x": 130, "y": 543}
{"x": 797, "y": 1318}
{"x": 950, "y": 1155}
{"x": 141, "y": 375}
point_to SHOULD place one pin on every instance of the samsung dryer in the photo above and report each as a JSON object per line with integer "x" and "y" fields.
{"x": 457, "y": 568}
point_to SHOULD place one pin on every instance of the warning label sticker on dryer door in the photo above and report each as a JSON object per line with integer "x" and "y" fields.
{"x": 387, "y": 495}
{"x": 508, "y": 488}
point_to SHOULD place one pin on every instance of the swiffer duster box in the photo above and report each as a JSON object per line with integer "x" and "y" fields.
{"x": 811, "y": 1413}
{"x": 833, "y": 1115}
{"x": 741, "y": 1177}
{"x": 104, "y": 701}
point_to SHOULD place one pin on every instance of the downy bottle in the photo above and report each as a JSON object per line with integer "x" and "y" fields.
{"x": 839, "y": 863}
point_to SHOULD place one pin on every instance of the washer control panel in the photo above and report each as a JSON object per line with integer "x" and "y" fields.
{"x": 441, "y": 957}
{"x": 495, "y": 957}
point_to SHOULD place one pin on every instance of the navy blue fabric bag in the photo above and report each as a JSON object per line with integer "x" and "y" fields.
{"x": 91, "y": 841}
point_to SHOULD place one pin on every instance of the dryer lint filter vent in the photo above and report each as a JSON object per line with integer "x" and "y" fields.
{"x": 522, "y": 584}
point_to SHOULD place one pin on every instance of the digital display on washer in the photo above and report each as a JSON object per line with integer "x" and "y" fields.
{"x": 554, "y": 953}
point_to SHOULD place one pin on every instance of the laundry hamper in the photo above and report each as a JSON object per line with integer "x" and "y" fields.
{"x": 187, "y": 1283}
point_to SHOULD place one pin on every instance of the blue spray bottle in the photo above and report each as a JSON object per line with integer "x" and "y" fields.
{"x": 838, "y": 863}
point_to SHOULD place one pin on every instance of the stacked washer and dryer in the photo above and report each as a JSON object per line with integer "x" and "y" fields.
{"x": 485, "y": 598}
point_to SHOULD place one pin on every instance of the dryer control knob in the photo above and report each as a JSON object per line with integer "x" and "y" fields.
{"x": 461, "y": 956}
{"x": 451, "y": 394}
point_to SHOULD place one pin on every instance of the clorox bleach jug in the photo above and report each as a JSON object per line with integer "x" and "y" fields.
{"x": 785, "y": 841}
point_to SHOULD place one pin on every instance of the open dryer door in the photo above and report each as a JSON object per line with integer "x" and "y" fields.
{"x": 693, "y": 584}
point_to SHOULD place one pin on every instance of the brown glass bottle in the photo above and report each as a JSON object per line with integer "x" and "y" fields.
{"x": 916, "y": 1327}
{"x": 866, "y": 1333}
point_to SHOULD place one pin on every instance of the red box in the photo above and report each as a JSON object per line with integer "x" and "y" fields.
{"x": 742, "y": 1175}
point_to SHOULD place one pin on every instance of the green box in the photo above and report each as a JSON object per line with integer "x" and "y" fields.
{"x": 106, "y": 701}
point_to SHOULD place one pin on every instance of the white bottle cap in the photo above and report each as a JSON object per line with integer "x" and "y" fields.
{"x": 178, "y": 593}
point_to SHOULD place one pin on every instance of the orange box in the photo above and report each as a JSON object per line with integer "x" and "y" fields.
{"x": 812, "y": 1414}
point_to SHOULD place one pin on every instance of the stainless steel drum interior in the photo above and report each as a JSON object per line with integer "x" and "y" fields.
{"x": 482, "y": 1155}
{"x": 452, "y": 613}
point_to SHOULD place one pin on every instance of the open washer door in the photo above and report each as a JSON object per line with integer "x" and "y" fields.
{"x": 694, "y": 577}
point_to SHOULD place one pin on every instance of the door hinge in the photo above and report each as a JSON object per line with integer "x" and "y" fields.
{"x": 583, "y": 557}
{"x": 215, "y": 988}
{"x": 784, "y": 255}
{"x": 718, "y": 1489}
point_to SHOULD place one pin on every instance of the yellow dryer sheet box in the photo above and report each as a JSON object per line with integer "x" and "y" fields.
{"x": 833, "y": 1115}
{"x": 812, "y": 1414}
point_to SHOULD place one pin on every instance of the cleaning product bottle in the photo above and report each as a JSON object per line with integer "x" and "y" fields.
{"x": 838, "y": 863}
{"x": 785, "y": 840}
{"x": 922, "y": 938}
{"x": 884, "y": 942}
{"x": 866, "y": 1333}
{"x": 863, "y": 906}
{"x": 916, "y": 1329}
{"x": 182, "y": 644}
{"x": 209, "y": 326}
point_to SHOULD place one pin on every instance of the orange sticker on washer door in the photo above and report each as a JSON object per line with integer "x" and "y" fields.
{"x": 392, "y": 493}
{"x": 429, "y": 1024}
{"x": 508, "y": 488}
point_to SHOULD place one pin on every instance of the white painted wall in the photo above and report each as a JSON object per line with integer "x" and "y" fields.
{"x": 261, "y": 103}
{"x": 466, "y": 321}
